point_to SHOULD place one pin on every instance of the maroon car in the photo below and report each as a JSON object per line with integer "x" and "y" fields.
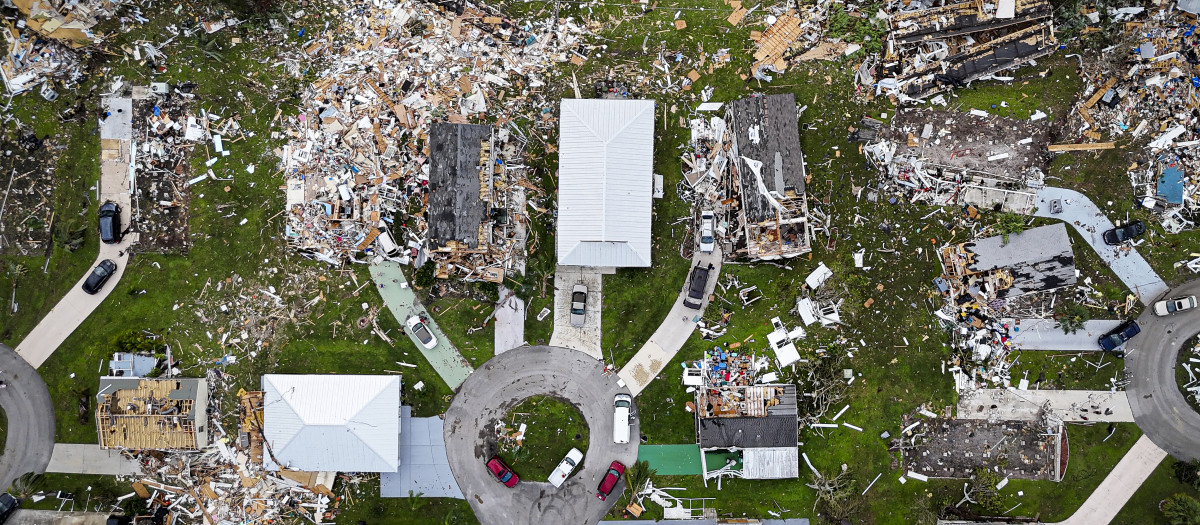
{"x": 504, "y": 474}
{"x": 615, "y": 471}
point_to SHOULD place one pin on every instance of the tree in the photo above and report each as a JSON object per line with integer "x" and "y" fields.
{"x": 1188, "y": 472}
{"x": 1181, "y": 509}
{"x": 636, "y": 476}
{"x": 982, "y": 491}
{"x": 1010, "y": 223}
{"x": 1070, "y": 316}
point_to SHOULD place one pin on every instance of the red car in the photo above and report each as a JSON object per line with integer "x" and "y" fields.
{"x": 615, "y": 471}
{"x": 504, "y": 474}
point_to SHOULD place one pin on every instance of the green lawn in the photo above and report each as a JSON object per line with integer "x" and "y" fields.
{"x": 1142, "y": 508}
{"x": 553, "y": 428}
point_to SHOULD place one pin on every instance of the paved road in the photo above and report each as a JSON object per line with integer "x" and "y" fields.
{"x": 1090, "y": 222}
{"x": 502, "y": 383}
{"x": 80, "y": 458}
{"x": 1158, "y": 406}
{"x": 402, "y": 302}
{"x": 30, "y": 413}
{"x": 1110, "y": 497}
{"x": 674, "y": 330}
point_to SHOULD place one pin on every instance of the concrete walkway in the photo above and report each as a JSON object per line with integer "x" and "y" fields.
{"x": 1090, "y": 222}
{"x": 673, "y": 332}
{"x": 402, "y": 302}
{"x": 1110, "y": 497}
{"x": 510, "y": 321}
{"x": 30, "y": 413}
{"x": 115, "y": 172}
{"x": 584, "y": 338}
{"x": 1041, "y": 334}
{"x": 52, "y": 517}
{"x": 1025, "y": 405}
{"x": 78, "y": 458}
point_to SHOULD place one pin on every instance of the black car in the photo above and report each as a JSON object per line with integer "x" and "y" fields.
{"x": 8, "y": 505}
{"x": 99, "y": 276}
{"x": 696, "y": 286}
{"x": 1118, "y": 337}
{"x": 1124, "y": 233}
{"x": 110, "y": 223}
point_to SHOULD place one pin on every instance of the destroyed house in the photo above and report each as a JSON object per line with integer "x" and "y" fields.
{"x": 605, "y": 182}
{"x": 331, "y": 423}
{"x": 152, "y": 414}
{"x": 768, "y": 173}
{"x": 466, "y": 211}
{"x": 1035, "y": 260}
{"x": 758, "y": 422}
{"x": 930, "y": 50}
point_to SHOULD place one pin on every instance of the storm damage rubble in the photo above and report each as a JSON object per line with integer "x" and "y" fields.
{"x": 44, "y": 45}
{"x": 392, "y": 156}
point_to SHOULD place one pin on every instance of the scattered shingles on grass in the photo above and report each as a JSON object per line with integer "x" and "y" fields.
{"x": 553, "y": 427}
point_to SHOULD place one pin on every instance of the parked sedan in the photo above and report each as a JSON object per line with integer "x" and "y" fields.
{"x": 565, "y": 467}
{"x": 707, "y": 243}
{"x": 609, "y": 482}
{"x": 8, "y": 505}
{"x": 578, "y": 305}
{"x": 99, "y": 276}
{"x": 110, "y": 223}
{"x": 1119, "y": 337}
{"x": 1177, "y": 304}
{"x": 1124, "y": 233}
{"x": 503, "y": 474}
{"x": 418, "y": 328}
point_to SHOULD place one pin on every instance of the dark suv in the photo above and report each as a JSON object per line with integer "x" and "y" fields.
{"x": 1118, "y": 337}
{"x": 110, "y": 223}
{"x": 696, "y": 286}
{"x": 8, "y": 505}
{"x": 1129, "y": 231}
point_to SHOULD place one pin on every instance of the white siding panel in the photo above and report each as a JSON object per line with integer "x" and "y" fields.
{"x": 606, "y": 158}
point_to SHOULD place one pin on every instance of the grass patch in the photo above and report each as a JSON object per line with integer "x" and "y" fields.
{"x": 1067, "y": 371}
{"x": 1142, "y": 508}
{"x": 553, "y": 428}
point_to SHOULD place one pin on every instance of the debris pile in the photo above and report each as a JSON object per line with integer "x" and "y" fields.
{"x": 385, "y": 158}
{"x": 1190, "y": 361}
{"x": 933, "y": 447}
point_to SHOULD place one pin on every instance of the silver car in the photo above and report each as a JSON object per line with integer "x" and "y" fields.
{"x": 1177, "y": 304}
{"x": 578, "y": 305}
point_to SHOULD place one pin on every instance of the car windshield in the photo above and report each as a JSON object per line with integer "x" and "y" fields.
{"x": 622, "y": 403}
{"x": 423, "y": 333}
{"x": 568, "y": 462}
{"x": 1172, "y": 306}
{"x": 101, "y": 271}
{"x": 506, "y": 476}
{"x": 706, "y": 239}
{"x": 1115, "y": 339}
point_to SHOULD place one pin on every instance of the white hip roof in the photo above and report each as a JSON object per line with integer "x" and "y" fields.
{"x": 605, "y": 182}
{"x": 321, "y": 423}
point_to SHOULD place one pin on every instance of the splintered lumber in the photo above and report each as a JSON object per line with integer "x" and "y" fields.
{"x": 386, "y": 100}
{"x": 777, "y": 39}
{"x": 1087, "y": 146}
{"x": 1086, "y": 116}
{"x": 369, "y": 239}
{"x": 1100, "y": 93}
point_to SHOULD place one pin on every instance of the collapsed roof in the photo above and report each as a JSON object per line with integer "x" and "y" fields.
{"x": 460, "y": 161}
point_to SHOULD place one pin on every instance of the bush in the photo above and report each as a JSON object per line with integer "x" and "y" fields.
{"x": 1188, "y": 473}
{"x": 1181, "y": 509}
{"x": 424, "y": 276}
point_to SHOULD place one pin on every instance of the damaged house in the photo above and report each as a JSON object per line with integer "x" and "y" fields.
{"x": 470, "y": 232}
{"x": 990, "y": 269}
{"x": 768, "y": 173}
{"x": 756, "y": 424}
{"x": 605, "y": 182}
{"x": 933, "y": 49}
{"x": 152, "y": 414}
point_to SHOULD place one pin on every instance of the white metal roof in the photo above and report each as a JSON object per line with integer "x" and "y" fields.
{"x": 605, "y": 182}
{"x": 771, "y": 463}
{"x": 344, "y": 423}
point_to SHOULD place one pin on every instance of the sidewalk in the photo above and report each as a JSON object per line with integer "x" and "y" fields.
{"x": 510, "y": 321}
{"x": 76, "y": 458}
{"x": 673, "y": 332}
{"x": 1110, "y": 497}
{"x": 400, "y": 299}
{"x": 1090, "y": 222}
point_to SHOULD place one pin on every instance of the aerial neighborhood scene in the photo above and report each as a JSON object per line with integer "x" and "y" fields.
{"x": 782, "y": 262}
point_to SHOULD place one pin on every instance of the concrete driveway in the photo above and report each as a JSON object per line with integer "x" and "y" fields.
{"x": 1090, "y": 222}
{"x": 584, "y": 338}
{"x": 674, "y": 330}
{"x": 50, "y": 517}
{"x": 502, "y": 383}
{"x": 1150, "y": 362}
{"x": 30, "y": 413}
{"x": 1041, "y": 334}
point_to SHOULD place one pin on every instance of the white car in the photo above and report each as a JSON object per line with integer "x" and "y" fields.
{"x": 707, "y": 243}
{"x": 1177, "y": 304}
{"x": 565, "y": 467}
{"x": 578, "y": 305}
{"x": 417, "y": 327}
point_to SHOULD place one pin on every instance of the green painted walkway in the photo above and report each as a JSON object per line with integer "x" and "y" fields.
{"x": 672, "y": 460}
{"x": 400, "y": 299}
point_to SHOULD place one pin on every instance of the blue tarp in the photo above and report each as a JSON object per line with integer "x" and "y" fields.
{"x": 1170, "y": 185}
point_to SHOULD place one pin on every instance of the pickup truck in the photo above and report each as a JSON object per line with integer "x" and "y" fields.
{"x": 696, "y": 286}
